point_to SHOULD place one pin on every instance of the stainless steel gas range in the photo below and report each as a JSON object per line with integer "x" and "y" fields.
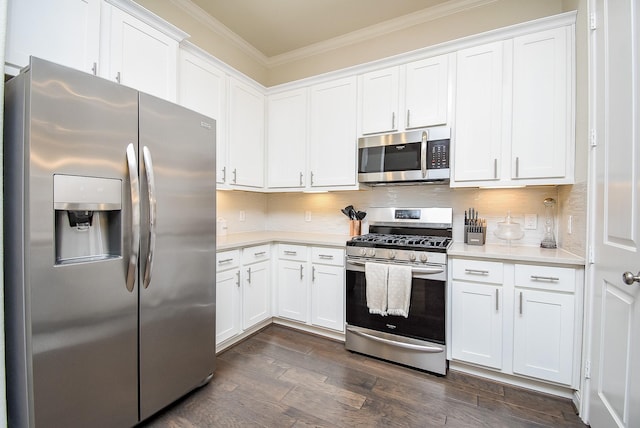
{"x": 416, "y": 240}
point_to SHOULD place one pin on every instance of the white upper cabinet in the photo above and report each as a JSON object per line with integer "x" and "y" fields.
{"x": 287, "y": 139}
{"x": 202, "y": 88}
{"x": 380, "y": 100}
{"x": 332, "y": 134}
{"x": 427, "y": 92}
{"x": 477, "y": 133}
{"x": 245, "y": 135}
{"x": 63, "y": 31}
{"x": 542, "y": 114}
{"x": 514, "y": 112}
{"x": 138, "y": 55}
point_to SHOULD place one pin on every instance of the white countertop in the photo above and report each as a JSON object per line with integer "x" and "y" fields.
{"x": 238, "y": 240}
{"x": 516, "y": 253}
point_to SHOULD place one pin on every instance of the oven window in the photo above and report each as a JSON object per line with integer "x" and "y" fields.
{"x": 426, "y": 319}
{"x": 371, "y": 159}
{"x": 402, "y": 157}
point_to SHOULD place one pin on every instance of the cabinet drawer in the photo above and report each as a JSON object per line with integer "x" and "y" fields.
{"x": 227, "y": 260}
{"x": 327, "y": 256}
{"x": 256, "y": 254}
{"x": 292, "y": 252}
{"x": 545, "y": 277}
{"x": 478, "y": 271}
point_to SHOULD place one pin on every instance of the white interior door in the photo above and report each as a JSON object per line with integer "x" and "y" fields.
{"x": 614, "y": 392}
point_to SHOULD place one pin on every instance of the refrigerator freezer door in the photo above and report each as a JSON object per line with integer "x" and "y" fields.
{"x": 177, "y": 308}
{"x": 73, "y": 339}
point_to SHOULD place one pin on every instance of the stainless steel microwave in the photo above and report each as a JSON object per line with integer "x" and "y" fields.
{"x": 412, "y": 157}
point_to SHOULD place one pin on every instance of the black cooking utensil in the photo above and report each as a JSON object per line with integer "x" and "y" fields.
{"x": 360, "y": 215}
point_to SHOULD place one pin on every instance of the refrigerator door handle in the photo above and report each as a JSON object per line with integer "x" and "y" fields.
{"x": 135, "y": 217}
{"x": 151, "y": 185}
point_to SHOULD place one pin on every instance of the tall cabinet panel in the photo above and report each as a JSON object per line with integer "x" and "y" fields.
{"x": 202, "y": 87}
{"x": 63, "y": 31}
{"x": 379, "y": 100}
{"x": 541, "y": 105}
{"x": 332, "y": 133}
{"x": 477, "y": 134}
{"x": 137, "y": 55}
{"x": 246, "y": 135}
{"x": 427, "y": 92}
{"x": 287, "y": 137}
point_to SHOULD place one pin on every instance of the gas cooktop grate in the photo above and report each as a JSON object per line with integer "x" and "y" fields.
{"x": 409, "y": 241}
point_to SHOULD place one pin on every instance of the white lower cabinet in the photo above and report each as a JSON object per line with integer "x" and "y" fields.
{"x": 327, "y": 288}
{"x": 227, "y": 295}
{"x": 477, "y": 323}
{"x": 519, "y": 319}
{"x": 243, "y": 293}
{"x": 311, "y": 277}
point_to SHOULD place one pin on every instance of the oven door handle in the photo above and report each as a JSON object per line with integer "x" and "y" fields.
{"x": 417, "y": 271}
{"x": 430, "y": 349}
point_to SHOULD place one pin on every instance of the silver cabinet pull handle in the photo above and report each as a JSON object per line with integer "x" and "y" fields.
{"x": 477, "y": 271}
{"x": 235, "y": 175}
{"x": 118, "y": 77}
{"x": 408, "y": 116}
{"x": 517, "y": 167}
{"x": 238, "y": 279}
{"x": 544, "y": 278}
{"x": 301, "y": 269}
{"x": 393, "y": 120}
{"x": 224, "y": 174}
{"x": 135, "y": 216}
{"x": 94, "y": 69}
{"x": 495, "y": 168}
{"x": 249, "y": 275}
{"x": 220, "y": 262}
{"x": 260, "y": 254}
{"x": 290, "y": 253}
{"x": 313, "y": 274}
{"x": 326, "y": 256}
{"x": 151, "y": 186}
{"x": 629, "y": 278}
{"x": 497, "y": 300}
{"x": 311, "y": 178}
{"x": 301, "y": 176}
{"x": 521, "y": 303}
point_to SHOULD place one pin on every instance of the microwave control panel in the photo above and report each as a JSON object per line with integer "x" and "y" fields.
{"x": 438, "y": 154}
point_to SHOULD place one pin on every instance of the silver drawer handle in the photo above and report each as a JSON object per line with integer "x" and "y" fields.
{"x": 260, "y": 254}
{"x": 224, "y": 261}
{"x": 430, "y": 349}
{"x": 544, "y": 278}
{"x": 477, "y": 272}
{"x": 290, "y": 253}
{"x": 326, "y": 256}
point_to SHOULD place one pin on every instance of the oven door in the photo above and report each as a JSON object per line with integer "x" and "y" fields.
{"x": 426, "y": 320}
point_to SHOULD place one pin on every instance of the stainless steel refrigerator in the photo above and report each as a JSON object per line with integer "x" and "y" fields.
{"x": 109, "y": 250}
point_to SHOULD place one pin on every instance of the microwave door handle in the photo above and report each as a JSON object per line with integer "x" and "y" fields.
{"x": 423, "y": 154}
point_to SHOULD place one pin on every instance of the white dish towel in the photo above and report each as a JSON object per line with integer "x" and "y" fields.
{"x": 399, "y": 290}
{"x": 376, "y": 277}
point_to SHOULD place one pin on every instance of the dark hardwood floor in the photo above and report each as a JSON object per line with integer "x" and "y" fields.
{"x": 281, "y": 377}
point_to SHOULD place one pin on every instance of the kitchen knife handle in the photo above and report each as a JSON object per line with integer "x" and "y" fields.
{"x": 151, "y": 190}
{"x": 135, "y": 217}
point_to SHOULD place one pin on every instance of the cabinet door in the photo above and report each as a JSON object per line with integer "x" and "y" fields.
{"x": 202, "y": 87}
{"x": 287, "y": 139}
{"x": 476, "y": 322}
{"x": 227, "y": 304}
{"x": 327, "y": 296}
{"x": 543, "y": 335}
{"x": 63, "y": 31}
{"x": 477, "y": 136}
{"x": 138, "y": 55}
{"x": 541, "y": 105}
{"x": 246, "y": 135}
{"x": 255, "y": 294}
{"x": 427, "y": 92}
{"x": 292, "y": 290}
{"x": 332, "y": 138}
{"x": 380, "y": 94}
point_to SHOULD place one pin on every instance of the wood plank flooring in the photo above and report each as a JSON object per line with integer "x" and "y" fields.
{"x": 281, "y": 377}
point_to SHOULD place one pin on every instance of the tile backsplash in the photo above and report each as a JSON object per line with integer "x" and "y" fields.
{"x": 320, "y": 212}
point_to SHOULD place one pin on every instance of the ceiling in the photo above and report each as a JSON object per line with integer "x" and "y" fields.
{"x": 275, "y": 27}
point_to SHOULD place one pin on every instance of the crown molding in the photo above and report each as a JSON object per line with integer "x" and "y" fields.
{"x": 134, "y": 9}
{"x": 419, "y": 17}
{"x": 449, "y": 8}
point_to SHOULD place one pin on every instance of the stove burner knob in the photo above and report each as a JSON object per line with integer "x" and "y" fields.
{"x": 392, "y": 254}
{"x": 363, "y": 252}
{"x": 371, "y": 252}
{"x": 412, "y": 257}
{"x": 423, "y": 258}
